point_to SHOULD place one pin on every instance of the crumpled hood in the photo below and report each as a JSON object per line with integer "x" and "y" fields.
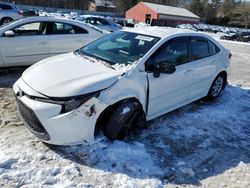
{"x": 69, "y": 75}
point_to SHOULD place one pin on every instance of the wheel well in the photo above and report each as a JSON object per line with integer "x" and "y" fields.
{"x": 4, "y": 18}
{"x": 101, "y": 121}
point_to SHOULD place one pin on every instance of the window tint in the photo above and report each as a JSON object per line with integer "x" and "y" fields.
{"x": 63, "y": 28}
{"x": 101, "y": 22}
{"x": 199, "y": 48}
{"x": 96, "y": 21}
{"x": 91, "y": 21}
{"x": 5, "y": 7}
{"x": 36, "y": 28}
{"x": 175, "y": 53}
{"x": 213, "y": 49}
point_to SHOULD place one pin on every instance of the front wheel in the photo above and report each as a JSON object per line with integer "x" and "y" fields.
{"x": 216, "y": 87}
{"x": 128, "y": 116}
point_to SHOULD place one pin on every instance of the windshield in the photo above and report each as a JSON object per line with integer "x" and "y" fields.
{"x": 120, "y": 47}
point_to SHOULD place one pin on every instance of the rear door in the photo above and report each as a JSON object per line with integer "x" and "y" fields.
{"x": 29, "y": 45}
{"x": 202, "y": 66}
{"x": 65, "y": 37}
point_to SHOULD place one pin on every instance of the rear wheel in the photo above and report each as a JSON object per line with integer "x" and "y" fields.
{"x": 216, "y": 87}
{"x": 127, "y": 117}
{"x": 6, "y": 20}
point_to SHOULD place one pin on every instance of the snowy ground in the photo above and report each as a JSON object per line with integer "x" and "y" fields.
{"x": 202, "y": 144}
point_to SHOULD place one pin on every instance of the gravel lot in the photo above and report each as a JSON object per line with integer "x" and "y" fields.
{"x": 202, "y": 144}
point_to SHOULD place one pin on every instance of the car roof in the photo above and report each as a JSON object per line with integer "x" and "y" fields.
{"x": 45, "y": 18}
{"x": 50, "y": 18}
{"x": 162, "y": 32}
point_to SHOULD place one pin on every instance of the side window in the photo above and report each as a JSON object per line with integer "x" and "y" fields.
{"x": 101, "y": 22}
{"x": 79, "y": 30}
{"x": 64, "y": 28}
{"x": 5, "y": 7}
{"x": 175, "y": 53}
{"x": 92, "y": 21}
{"x": 30, "y": 29}
{"x": 199, "y": 49}
{"x": 213, "y": 49}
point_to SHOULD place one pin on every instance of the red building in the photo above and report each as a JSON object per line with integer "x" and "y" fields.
{"x": 161, "y": 15}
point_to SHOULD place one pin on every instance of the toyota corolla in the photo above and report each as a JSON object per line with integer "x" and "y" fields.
{"x": 116, "y": 83}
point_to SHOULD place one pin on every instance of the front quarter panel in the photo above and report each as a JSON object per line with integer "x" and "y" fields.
{"x": 131, "y": 85}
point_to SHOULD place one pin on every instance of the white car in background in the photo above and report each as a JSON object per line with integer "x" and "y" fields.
{"x": 9, "y": 12}
{"x": 29, "y": 40}
{"x": 100, "y": 22}
{"x": 118, "y": 82}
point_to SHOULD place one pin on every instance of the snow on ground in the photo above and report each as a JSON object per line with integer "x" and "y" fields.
{"x": 202, "y": 144}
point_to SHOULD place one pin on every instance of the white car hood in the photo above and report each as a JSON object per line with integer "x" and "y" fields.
{"x": 69, "y": 75}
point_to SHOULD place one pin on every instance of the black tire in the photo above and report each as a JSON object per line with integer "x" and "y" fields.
{"x": 217, "y": 86}
{"x": 128, "y": 116}
{"x": 5, "y": 20}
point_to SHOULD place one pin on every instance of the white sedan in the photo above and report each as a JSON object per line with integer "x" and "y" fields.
{"x": 29, "y": 40}
{"x": 118, "y": 82}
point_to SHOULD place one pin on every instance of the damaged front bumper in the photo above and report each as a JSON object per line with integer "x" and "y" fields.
{"x": 46, "y": 123}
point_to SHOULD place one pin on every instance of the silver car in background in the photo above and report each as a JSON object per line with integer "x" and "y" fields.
{"x": 101, "y": 22}
{"x": 29, "y": 40}
{"x": 9, "y": 12}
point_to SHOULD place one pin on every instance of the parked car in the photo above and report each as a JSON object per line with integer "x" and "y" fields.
{"x": 32, "y": 39}
{"x": 239, "y": 36}
{"x": 30, "y": 12}
{"x": 244, "y": 36}
{"x": 9, "y": 12}
{"x": 231, "y": 36}
{"x": 101, "y": 22}
{"x": 118, "y": 82}
{"x": 123, "y": 22}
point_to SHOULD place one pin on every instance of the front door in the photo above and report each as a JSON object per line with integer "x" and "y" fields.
{"x": 169, "y": 91}
{"x": 148, "y": 19}
{"x": 29, "y": 45}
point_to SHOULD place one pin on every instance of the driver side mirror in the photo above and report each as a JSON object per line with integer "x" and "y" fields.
{"x": 161, "y": 67}
{"x": 9, "y": 33}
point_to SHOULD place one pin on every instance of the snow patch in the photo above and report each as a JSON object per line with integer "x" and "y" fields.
{"x": 5, "y": 161}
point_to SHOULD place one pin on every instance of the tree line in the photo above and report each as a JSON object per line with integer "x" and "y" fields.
{"x": 221, "y": 12}
{"x": 227, "y": 12}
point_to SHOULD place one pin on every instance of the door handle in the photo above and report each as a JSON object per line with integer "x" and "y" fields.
{"x": 43, "y": 43}
{"x": 188, "y": 71}
{"x": 79, "y": 40}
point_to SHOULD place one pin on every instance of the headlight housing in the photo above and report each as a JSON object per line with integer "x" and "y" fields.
{"x": 70, "y": 103}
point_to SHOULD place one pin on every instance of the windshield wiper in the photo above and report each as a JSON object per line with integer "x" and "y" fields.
{"x": 107, "y": 64}
{"x": 91, "y": 57}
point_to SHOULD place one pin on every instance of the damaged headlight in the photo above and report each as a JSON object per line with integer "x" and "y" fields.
{"x": 69, "y": 104}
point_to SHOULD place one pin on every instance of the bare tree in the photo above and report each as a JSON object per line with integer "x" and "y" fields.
{"x": 244, "y": 10}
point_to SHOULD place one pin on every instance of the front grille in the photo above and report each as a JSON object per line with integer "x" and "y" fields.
{"x": 32, "y": 122}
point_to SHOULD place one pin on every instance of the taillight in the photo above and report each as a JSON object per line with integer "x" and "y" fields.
{"x": 20, "y": 13}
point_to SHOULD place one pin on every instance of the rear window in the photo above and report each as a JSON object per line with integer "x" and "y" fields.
{"x": 5, "y": 7}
